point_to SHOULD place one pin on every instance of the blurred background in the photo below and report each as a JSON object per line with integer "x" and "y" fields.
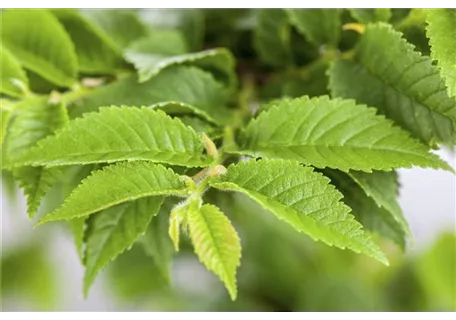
{"x": 280, "y": 269}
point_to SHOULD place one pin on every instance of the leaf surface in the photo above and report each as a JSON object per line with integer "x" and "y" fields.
{"x": 216, "y": 243}
{"x": 11, "y": 74}
{"x": 117, "y": 134}
{"x": 41, "y": 44}
{"x": 400, "y": 82}
{"x": 371, "y": 15}
{"x": 116, "y": 184}
{"x": 337, "y": 134}
{"x": 440, "y": 30}
{"x": 302, "y": 198}
{"x": 111, "y": 231}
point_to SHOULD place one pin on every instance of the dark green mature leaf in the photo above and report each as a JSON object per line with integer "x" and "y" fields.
{"x": 271, "y": 37}
{"x": 96, "y": 52}
{"x": 116, "y": 184}
{"x": 383, "y": 188}
{"x": 371, "y": 15}
{"x": 197, "y": 89}
{"x": 366, "y": 210}
{"x": 441, "y": 23}
{"x": 122, "y": 26}
{"x": 35, "y": 119}
{"x": 118, "y": 134}
{"x": 189, "y": 21}
{"x": 149, "y": 64}
{"x": 302, "y": 198}
{"x": 311, "y": 81}
{"x": 319, "y": 26}
{"x": 156, "y": 242}
{"x": 400, "y": 82}
{"x": 41, "y": 44}
{"x": 216, "y": 243}
{"x": 112, "y": 231}
{"x": 70, "y": 179}
{"x": 337, "y": 134}
{"x": 13, "y": 79}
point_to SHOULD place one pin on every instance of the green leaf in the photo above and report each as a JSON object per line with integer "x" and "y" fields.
{"x": 371, "y": 15}
{"x": 78, "y": 228}
{"x": 365, "y": 208}
{"x": 302, "y": 198}
{"x": 156, "y": 242}
{"x": 40, "y": 44}
{"x": 337, "y": 134}
{"x": 96, "y": 52}
{"x": 70, "y": 179}
{"x": 150, "y": 63}
{"x": 122, "y": 26}
{"x": 319, "y": 26}
{"x": 198, "y": 90}
{"x": 112, "y": 231}
{"x": 383, "y": 188}
{"x": 443, "y": 44}
{"x": 400, "y": 82}
{"x": 117, "y": 134}
{"x": 311, "y": 81}
{"x": 5, "y": 117}
{"x": 189, "y": 22}
{"x": 35, "y": 120}
{"x": 116, "y": 184}
{"x": 271, "y": 37}
{"x": 36, "y": 182}
{"x": 13, "y": 79}
{"x": 216, "y": 243}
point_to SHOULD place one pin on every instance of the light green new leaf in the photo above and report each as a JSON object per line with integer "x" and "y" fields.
{"x": 319, "y": 26}
{"x": 301, "y": 197}
{"x": 96, "y": 52}
{"x": 197, "y": 89}
{"x": 111, "y": 231}
{"x": 271, "y": 37}
{"x": 118, "y": 134}
{"x": 442, "y": 38}
{"x": 41, "y": 44}
{"x": 337, "y": 134}
{"x": 121, "y": 26}
{"x": 216, "y": 243}
{"x": 35, "y": 120}
{"x": 156, "y": 242}
{"x": 13, "y": 79}
{"x": 116, "y": 184}
{"x": 371, "y": 15}
{"x": 189, "y": 22}
{"x": 400, "y": 82}
{"x": 366, "y": 210}
{"x": 219, "y": 61}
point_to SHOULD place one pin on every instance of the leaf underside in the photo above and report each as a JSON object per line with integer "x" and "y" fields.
{"x": 112, "y": 231}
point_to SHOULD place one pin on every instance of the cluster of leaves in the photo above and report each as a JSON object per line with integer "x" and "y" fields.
{"x": 123, "y": 112}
